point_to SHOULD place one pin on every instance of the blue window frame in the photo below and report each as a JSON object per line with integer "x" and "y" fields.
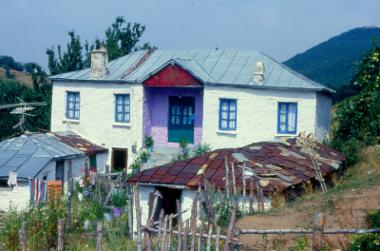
{"x": 227, "y": 114}
{"x": 122, "y": 108}
{"x": 73, "y": 105}
{"x": 287, "y": 118}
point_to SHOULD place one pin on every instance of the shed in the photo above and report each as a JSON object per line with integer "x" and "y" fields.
{"x": 40, "y": 156}
{"x": 276, "y": 166}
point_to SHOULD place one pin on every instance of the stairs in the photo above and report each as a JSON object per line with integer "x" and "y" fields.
{"x": 160, "y": 156}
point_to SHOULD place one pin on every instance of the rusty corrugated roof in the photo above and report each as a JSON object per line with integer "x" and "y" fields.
{"x": 78, "y": 142}
{"x": 281, "y": 164}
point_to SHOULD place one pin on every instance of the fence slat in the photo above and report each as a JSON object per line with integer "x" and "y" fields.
{"x": 230, "y": 230}
{"x": 185, "y": 236}
{"x": 193, "y": 226}
{"x": 199, "y": 247}
{"x": 179, "y": 225}
{"x": 99, "y": 234}
{"x": 22, "y": 237}
{"x": 318, "y": 223}
{"x": 138, "y": 218}
{"x": 61, "y": 231}
{"x": 208, "y": 247}
{"x": 217, "y": 239}
{"x": 164, "y": 238}
{"x": 158, "y": 245}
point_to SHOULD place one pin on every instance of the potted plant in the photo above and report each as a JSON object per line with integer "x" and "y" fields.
{"x": 118, "y": 201}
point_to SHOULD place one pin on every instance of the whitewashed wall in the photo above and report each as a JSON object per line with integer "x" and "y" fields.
{"x": 17, "y": 197}
{"x": 144, "y": 204}
{"x": 256, "y": 114}
{"x": 97, "y": 111}
{"x": 323, "y": 116}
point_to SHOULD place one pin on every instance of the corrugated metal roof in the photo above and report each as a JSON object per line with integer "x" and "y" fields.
{"x": 280, "y": 164}
{"x": 213, "y": 66}
{"x": 28, "y": 154}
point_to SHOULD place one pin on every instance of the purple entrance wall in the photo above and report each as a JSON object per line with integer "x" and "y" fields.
{"x": 156, "y": 108}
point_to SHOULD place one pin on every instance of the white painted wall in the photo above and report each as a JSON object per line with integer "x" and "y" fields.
{"x": 101, "y": 162}
{"x": 323, "y": 116}
{"x": 256, "y": 114}
{"x": 97, "y": 111}
{"x": 144, "y": 204}
{"x": 16, "y": 198}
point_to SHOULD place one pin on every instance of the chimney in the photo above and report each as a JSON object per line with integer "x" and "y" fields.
{"x": 99, "y": 61}
{"x": 258, "y": 72}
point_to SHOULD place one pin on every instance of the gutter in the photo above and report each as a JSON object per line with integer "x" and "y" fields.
{"x": 162, "y": 185}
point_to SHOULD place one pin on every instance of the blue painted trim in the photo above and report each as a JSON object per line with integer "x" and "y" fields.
{"x": 124, "y": 98}
{"x": 74, "y": 94}
{"x": 286, "y": 104}
{"x": 228, "y": 101}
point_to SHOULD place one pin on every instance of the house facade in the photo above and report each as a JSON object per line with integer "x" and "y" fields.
{"x": 225, "y": 98}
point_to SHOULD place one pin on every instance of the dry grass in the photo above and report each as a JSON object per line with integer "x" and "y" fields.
{"x": 345, "y": 205}
{"x": 23, "y": 77}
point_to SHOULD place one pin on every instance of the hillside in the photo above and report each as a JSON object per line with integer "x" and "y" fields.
{"x": 23, "y": 77}
{"x": 344, "y": 205}
{"x": 333, "y": 62}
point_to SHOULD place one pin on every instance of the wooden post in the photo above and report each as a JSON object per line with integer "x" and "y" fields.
{"x": 160, "y": 230}
{"x": 199, "y": 248}
{"x": 147, "y": 236}
{"x": 251, "y": 196}
{"x": 22, "y": 237}
{"x": 69, "y": 193}
{"x": 193, "y": 226}
{"x": 61, "y": 230}
{"x": 164, "y": 239}
{"x": 233, "y": 177}
{"x": 227, "y": 188}
{"x": 230, "y": 231}
{"x": 138, "y": 218}
{"x": 318, "y": 224}
{"x": 99, "y": 233}
{"x": 244, "y": 188}
{"x": 169, "y": 246}
{"x": 185, "y": 236}
{"x": 217, "y": 238}
{"x": 130, "y": 217}
{"x": 179, "y": 225}
{"x": 208, "y": 248}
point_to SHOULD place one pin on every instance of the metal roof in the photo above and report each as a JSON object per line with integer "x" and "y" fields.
{"x": 280, "y": 164}
{"x": 27, "y": 155}
{"x": 212, "y": 66}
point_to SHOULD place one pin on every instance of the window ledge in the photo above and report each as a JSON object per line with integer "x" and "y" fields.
{"x": 121, "y": 125}
{"x": 71, "y": 121}
{"x": 285, "y": 134}
{"x": 229, "y": 132}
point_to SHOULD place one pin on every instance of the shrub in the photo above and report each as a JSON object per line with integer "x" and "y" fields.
{"x": 148, "y": 143}
{"x": 201, "y": 149}
{"x": 373, "y": 218}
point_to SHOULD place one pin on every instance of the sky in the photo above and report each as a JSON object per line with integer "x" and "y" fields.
{"x": 280, "y": 28}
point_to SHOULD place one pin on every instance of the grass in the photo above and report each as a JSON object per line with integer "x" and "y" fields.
{"x": 365, "y": 174}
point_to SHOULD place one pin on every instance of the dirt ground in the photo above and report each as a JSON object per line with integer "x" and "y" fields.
{"x": 347, "y": 210}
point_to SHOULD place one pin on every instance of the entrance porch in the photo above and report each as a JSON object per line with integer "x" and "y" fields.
{"x": 172, "y": 115}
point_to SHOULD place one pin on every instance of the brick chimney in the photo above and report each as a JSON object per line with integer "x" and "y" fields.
{"x": 99, "y": 61}
{"x": 258, "y": 73}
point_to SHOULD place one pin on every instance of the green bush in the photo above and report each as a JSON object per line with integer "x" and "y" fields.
{"x": 373, "y": 218}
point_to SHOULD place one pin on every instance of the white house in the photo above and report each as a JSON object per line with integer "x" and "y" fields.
{"x": 222, "y": 97}
{"x": 42, "y": 156}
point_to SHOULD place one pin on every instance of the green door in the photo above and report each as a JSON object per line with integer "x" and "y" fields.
{"x": 181, "y": 119}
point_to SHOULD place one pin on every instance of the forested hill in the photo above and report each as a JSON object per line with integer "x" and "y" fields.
{"x": 333, "y": 62}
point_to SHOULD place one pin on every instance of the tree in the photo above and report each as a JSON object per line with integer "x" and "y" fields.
{"x": 358, "y": 117}
{"x": 121, "y": 38}
{"x": 70, "y": 60}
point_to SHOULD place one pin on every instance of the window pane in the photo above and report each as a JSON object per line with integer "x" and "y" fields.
{"x": 224, "y": 115}
{"x": 233, "y": 105}
{"x": 232, "y": 125}
{"x": 292, "y": 117}
{"x": 224, "y": 106}
{"x": 232, "y": 115}
{"x": 224, "y": 124}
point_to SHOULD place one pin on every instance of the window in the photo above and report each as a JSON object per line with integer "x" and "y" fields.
{"x": 119, "y": 159}
{"x": 227, "y": 114}
{"x": 122, "y": 108}
{"x": 287, "y": 118}
{"x": 72, "y": 105}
